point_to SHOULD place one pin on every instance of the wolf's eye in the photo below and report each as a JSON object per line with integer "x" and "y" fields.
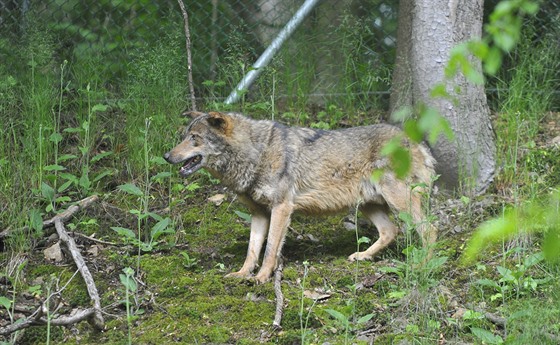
{"x": 194, "y": 139}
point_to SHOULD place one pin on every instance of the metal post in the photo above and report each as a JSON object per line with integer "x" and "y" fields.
{"x": 269, "y": 53}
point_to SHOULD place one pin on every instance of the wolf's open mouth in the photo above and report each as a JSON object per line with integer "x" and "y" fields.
{"x": 191, "y": 165}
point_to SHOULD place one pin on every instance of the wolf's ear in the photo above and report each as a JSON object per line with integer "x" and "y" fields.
{"x": 220, "y": 121}
{"x": 192, "y": 114}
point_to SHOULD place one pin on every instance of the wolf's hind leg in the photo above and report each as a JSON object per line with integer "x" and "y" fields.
{"x": 378, "y": 215}
{"x": 259, "y": 228}
{"x": 401, "y": 198}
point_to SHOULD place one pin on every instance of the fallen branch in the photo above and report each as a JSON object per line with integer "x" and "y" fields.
{"x": 70, "y": 211}
{"x": 97, "y": 319}
{"x": 63, "y": 216}
{"x": 36, "y": 319}
{"x": 189, "y": 57}
{"x": 279, "y": 295}
{"x": 91, "y": 314}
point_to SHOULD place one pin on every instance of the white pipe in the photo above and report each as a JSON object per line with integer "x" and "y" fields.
{"x": 269, "y": 53}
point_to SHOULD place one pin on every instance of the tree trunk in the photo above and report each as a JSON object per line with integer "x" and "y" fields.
{"x": 428, "y": 29}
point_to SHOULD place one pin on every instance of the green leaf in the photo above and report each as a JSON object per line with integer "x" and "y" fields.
{"x": 397, "y": 294}
{"x": 102, "y": 175}
{"x": 505, "y": 273}
{"x": 411, "y": 129}
{"x": 55, "y": 138}
{"x": 62, "y": 199}
{"x": 35, "y": 220}
{"x": 128, "y": 271}
{"x": 338, "y": 316}
{"x": 5, "y": 302}
{"x": 472, "y": 315}
{"x": 490, "y": 232}
{"x": 155, "y": 216}
{"x": 245, "y": 216}
{"x": 487, "y": 336}
{"x": 99, "y": 107}
{"x": 406, "y": 217}
{"x": 47, "y": 191}
{"x": 100, "y": 156}
{"x": 128, "y": 282}
{"x": 530, "y": 7}
{"x": 364, "y": 239}
{"x": 431, "y": 122}
{"x": 439, "y": 90}
{"x": 158, "y": 160}
{"x": 376, "y": 175}
{"x": 54, "y": 167}
{"x": 457, "y": 60}
{"x": 160, "y": 228}
{"x": 391, "y": 146}
{"x": 401, "y": 162}
{"x": 365, "y": 318}
{"x": 69, "y": 177}
{"x": 64, "y": 186}
{"x": 161, "y": 175}
{"x": 473, "y": 75}
{"x": 478, "y": 48}
{"x": 493, "y": 61}
{"x": 436, "y": 262}
{"x": 84, "y": 181}
{"x": 398, "y": 155}
{"x": 83, "y": 150}
{"x": 73, "y": 130}
{"x": 124, "y": 232}
{"x": 488, "y": 283}
{"x": 533, "y": 259}
{"x": 130, "y": 189}
{"x": 66, "y": 157}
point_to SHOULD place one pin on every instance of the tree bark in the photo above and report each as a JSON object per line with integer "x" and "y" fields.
{"x": 428, "y": 29}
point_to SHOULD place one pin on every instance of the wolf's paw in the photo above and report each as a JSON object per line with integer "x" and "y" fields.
{"x": 239, "y": 275}
{"x": 260, "y": 278}
{"x": 359, "y": 256}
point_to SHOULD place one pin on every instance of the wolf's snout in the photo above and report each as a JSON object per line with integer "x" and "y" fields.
{"x": 166, "y": 156}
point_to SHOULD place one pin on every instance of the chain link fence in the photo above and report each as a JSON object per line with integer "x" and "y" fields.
{"x": 343, "y": 47}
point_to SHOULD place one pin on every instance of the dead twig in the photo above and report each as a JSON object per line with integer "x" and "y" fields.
{"x": 279, "y": 295}
{"x": 97, "y": 319}
{"x": 36, "y": 318}
{"x": 189, "y": 56}
{"x": 93, "y": 239}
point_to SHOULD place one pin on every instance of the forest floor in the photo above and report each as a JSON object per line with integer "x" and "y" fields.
{"x": 510, "y": 295}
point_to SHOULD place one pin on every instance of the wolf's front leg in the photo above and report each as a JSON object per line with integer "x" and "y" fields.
{"x": 279, "y": 221}
{"x": 259, "y": 227}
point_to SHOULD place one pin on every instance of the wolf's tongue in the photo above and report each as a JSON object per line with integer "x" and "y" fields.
{"x": 189, "y": 165}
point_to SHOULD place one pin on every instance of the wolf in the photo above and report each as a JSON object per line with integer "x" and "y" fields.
{"x": 277, "y": 170}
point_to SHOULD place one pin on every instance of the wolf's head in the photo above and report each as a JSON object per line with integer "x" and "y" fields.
{"x": 203, "y": 141}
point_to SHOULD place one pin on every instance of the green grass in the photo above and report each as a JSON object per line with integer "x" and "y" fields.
{"x": 526, "y": 93}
